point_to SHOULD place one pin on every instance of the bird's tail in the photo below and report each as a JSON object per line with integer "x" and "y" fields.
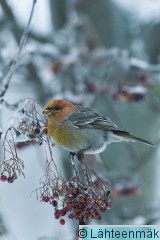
{"x": 118, "y": 135}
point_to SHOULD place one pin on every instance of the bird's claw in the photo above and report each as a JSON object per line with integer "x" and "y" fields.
{"x": 80, "y": 156}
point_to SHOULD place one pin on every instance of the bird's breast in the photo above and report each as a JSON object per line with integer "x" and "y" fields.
{"x": 77, "y": 139}
{"x": 66, "y": 135}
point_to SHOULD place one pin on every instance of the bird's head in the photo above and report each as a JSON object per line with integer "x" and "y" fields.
{"x": 58, "y": 109}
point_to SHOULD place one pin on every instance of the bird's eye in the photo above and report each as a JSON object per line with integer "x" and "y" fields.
{"x": 57, "y": 108}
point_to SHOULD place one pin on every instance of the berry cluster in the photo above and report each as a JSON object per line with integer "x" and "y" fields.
{"x": 78, "y": 202}
{"x": 11, "y": 166}
{"x": 9, "y": 179}
{"x": 29, "y": 124}
{"x": 125, "y": 188}
{"x": 10, "y": 169}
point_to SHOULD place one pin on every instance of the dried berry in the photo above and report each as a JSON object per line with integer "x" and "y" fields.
{"x": 55, "y": 195}
{"x": 37, "y": 130}
{"x": 69, "y": 207}
{"x": 89, "y": 200}
{"x": 3, "y": 178}
{"x": 62, "y": 221}
{"x": 54, "y": 203}
{"x": 56, "y": 214}
{"x": 62, "y": 212}
{"x": 10, "y": 180}
{"x": 74, "y": 179}
{"x": 71, "y": 216}
{"x": 103, "y": 209}
{"x": 45, "y": 199}
{"x": 97, "y": 215}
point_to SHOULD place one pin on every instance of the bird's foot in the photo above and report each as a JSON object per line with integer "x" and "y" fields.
{"x": 80, "y": 156}
{"x": 72, "y": 155}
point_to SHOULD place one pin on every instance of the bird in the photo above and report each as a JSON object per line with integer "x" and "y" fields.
{"x": 80, "y": 129}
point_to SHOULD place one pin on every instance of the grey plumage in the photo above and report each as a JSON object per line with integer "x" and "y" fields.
{"x": 100, "y": 126}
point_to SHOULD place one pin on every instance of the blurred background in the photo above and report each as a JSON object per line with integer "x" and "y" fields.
{"x": 104, "y": 54}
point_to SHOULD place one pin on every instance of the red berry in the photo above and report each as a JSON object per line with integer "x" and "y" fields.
{"x": 97, "y": 215}
{"x": 71, "y": 216}
{"x": 77, "y": 216}
{"x": 10, "y": 180}
{"x": 56, "y": 214}
{"x": 81, "y": 200}
{"x": 62, "y": 221}
{"x": 45, "y": 130}
{"x": 74, "y": 179}
{"x": 56, "y": 67}
{"x": 89, "y": 200}
{"x": 92, "y": 216}
{"x": 143, "y": 78}
{"x": 3, "y": 178}
{"x": 62, "y": 212}
{"x": 45, "y": 199}
{"x": 37, "y": 130}
{"x": 103, "y": 209}
{"x": 69, "y": 207}
{"x": 69, "y": 199}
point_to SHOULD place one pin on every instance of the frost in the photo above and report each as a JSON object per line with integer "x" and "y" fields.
{"x": 22, "y": 138}
{"x": 136, "y": 89}
{"x": 137, "y": 63}
{"x": 28, "y": 122}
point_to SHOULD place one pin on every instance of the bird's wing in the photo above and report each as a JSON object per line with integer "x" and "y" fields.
{"x": 87, "y": 118}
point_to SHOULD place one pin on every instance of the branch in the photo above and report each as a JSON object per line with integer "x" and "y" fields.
{"x": 8, "y": 78}
{"x": 143, "y": 65}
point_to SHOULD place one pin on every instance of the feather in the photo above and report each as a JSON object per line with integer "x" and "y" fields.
{"x": 126, "y": 136}
{"x": 87, "y": 118}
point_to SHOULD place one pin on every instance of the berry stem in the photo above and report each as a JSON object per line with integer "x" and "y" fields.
{"x": 81, "y": 221}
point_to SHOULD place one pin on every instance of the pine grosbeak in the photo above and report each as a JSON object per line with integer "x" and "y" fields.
{"x": 81, "y": 129}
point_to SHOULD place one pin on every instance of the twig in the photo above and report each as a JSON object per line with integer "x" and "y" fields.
{"x": 8, "y": 78}
{"x": 143, "y": 65}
